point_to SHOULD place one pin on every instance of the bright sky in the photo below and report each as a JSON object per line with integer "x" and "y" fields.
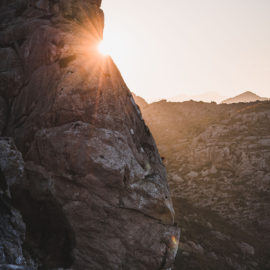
{"x": 166, "y": 48}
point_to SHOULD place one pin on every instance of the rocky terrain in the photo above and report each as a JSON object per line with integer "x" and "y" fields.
{"x": 218, "y": 161}
{"x": 12, "y": 227}
{"x": 82, "y": 183}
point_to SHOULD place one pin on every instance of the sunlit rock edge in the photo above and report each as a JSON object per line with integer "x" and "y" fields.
{"x": 94, "y": 193}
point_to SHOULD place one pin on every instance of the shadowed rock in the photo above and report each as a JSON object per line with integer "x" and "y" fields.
{"x": 94, "y": 176}
{"x": 12, "y": 227}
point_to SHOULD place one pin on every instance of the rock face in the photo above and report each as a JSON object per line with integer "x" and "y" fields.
{"x": 218, "y": 163}
{"x": 12, "y": 227}
{"x": 95, "y": 194}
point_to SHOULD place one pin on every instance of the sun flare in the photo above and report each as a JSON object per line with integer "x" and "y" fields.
{"x": 112, "y": 46}
{"x": 117, "y": 46}
{"x": 104, "y": 48}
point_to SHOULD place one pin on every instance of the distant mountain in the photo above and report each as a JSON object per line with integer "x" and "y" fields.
{"x": 205, "y": 97}
{"x": 244, "y": 97}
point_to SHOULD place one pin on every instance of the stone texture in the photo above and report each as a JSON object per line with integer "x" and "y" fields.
{"x": 11, "y": 163}
{"x": 3, "y": 114}
{"x": 12, "y": 227}
{"x": 95, "y": 194}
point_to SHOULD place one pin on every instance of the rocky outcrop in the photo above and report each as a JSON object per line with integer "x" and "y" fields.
{"x": 95, "y": 194}
{"x": 218, "y": 163}
{"x": 12, "y": 227}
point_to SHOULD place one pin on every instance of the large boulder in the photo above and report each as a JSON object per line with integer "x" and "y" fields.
{"x": 95, "y": 193}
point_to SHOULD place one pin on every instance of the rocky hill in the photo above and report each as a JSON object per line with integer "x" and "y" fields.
{"x": 244, "y": 97}
{"x": 218, "y": 161}
{"x": 82, "y": 185}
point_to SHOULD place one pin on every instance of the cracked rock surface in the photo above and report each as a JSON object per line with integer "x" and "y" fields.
{"x": 94, "y": 194}
{"x": 12, "y": 227}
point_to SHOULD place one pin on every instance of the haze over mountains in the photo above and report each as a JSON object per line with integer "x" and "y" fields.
{"x": 205, "y": 97}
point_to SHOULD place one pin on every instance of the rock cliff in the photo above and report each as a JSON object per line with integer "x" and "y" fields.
{"x": 94, "y": 193}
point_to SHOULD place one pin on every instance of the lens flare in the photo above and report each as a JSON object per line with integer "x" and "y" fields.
{"x": 174, "y": 242}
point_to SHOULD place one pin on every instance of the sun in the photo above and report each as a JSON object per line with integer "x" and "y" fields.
{"x": 104, "y": 48}
{"x": 112, "y": 45}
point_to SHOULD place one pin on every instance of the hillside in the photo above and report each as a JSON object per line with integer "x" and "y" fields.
{"x": 244, "y": 97}
{"x": 218, "y": 161}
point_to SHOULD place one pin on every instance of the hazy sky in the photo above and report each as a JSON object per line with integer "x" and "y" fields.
{"x": 166, "y": 48}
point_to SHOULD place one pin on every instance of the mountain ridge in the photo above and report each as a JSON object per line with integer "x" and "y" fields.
{"x": 246, "y": 96}
{"x": 209, "y": 96}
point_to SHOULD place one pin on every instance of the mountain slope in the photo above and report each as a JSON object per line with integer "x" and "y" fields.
{"x": 244, "y": 97}
{"x": 218, "y": 162}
